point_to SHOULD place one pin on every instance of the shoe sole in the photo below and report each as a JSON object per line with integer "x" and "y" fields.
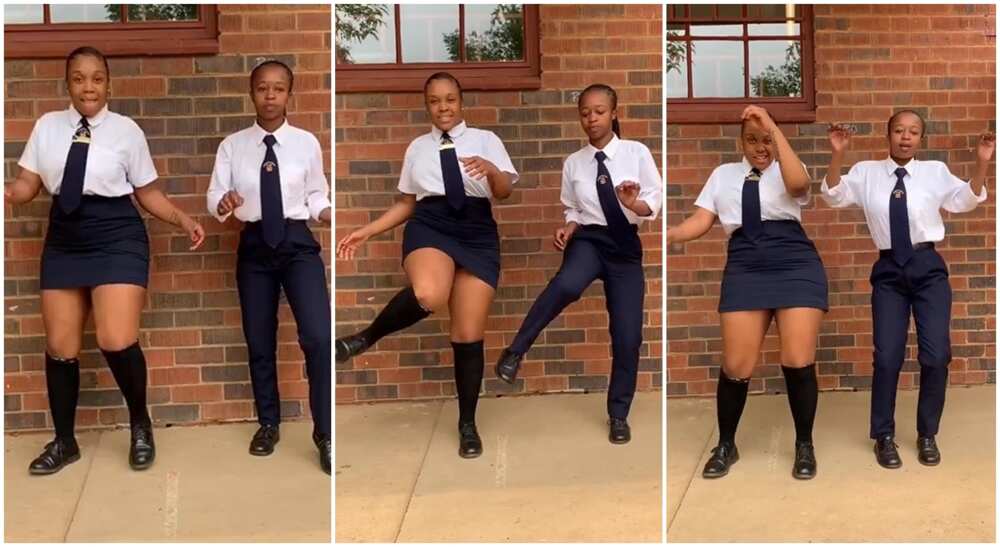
{"x": 261, "y": 454}
{"x": 68, "y": 461}
{"x": 141, "y": 466}
{"x": 802, "y": 477}
{"x": 619, "y": 441}
{"x": 470, "y": 456}
{"x": 928, "y": 464}
{"x": 507, "y": 379}
{"x": 342, "y": 353}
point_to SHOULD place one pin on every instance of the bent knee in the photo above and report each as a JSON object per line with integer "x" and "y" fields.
{"x": 116, "y": 341}
{"x": 430, "y": 297}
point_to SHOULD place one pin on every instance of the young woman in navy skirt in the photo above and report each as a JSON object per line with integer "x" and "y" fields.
{"x": 902, "y": 198}
{"x": 96, "y": 254}
{"x": 451, "y": 248}
{"x": 270, "y": 176}
{"x": 772, "y": 272}
{"x": 608, "y": 187}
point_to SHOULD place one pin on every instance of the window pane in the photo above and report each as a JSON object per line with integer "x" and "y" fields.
{"x": 773, "y": 11}
{"x": 85, "y": 13}
{"x": 162, "y": 12}
{"x": 718, "y": 68}
{"x": 677, "y": 81}
{"x": 366, "y": 33}
{"x": 716, "y": 30}
{"x": 676, "y": 29}
{"x": 425, "y": 31}
{"x": 774, "y": 29}
{"x": 493, "y": 32}
{"x": 15, "y": 14}
{"x": 776, "y": 69}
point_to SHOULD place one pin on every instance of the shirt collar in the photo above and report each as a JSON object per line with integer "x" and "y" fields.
{"x": 280, "y": 134}
{"x": 609, "y": 149}
{"x": 890, "y": 166}
{"x": 747, "y": 167}
{"x": 454, "y": 132}
{"x": 93, "y": 121}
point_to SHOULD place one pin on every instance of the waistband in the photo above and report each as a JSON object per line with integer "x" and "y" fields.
{"x": 887, "y": 253}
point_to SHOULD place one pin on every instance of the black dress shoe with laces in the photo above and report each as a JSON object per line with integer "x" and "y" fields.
{"x": 723, "y": 456}
{"x": 927, "y": 451}
{"x": 618, "y": 431}
{"x": 142, "y": 451}
{"x": 886, "y": 453}
{"x": 469, "y": 443}
{"x": 323, "y": 444}
{"x": 507, "y": 366}
{"x": 804, "y": 467}
{"x": 57, "y": 454}
{"x": 264, "y": 440}
{"x": 349, "y": 346}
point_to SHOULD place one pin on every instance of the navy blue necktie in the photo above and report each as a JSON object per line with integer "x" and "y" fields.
{"x": 751, "y": 223}
{"x": 71, "y": 189}
{"x": 271, "y": 210}
{"x": 454, "y": 188}
{"x": 618, "y": 223}
{"x": 899, "y": 221}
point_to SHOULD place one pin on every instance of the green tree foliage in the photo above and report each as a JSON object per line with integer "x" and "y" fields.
{"x": 356, "y": 23}
{"x": 783, "y": 81}
{"x": 504, "y": 41}
{"x": 154, "y": 12}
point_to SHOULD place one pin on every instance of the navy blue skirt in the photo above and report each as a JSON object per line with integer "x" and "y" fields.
{"x": 468, "y": 236}
{"x": 780, "y": 270}
{"x": 102, "y": 242}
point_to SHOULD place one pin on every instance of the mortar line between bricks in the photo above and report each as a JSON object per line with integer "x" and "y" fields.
{"x": 694, "y": 474}
{"x": 83, "y": 487}
{"x": 416, "y": 479}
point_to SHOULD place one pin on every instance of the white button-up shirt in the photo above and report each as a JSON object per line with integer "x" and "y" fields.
{"x": 304, "y": 190}
{"x": 422, "y": 175}
{"x": 723, "y": 195}
{"x": 118, "y": 157}
{"x": 930, "y": 187}
{"x": 627, "y": 161}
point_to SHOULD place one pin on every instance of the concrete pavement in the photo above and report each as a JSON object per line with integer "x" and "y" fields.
{"x": 852, "y": 498}
{"x": 204, "y": 486}
{"x": 547, "y": 473}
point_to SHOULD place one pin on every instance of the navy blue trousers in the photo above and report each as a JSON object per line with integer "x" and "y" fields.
{"x": 261, "y": 273}
{"x": 921, "y": 286}
{"x": 591, "y": 254}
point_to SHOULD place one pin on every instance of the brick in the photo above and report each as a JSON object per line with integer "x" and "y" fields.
{"x": 175, "y": 413}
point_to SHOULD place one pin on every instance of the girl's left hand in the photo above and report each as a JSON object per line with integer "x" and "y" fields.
{"x": 987, "y": 144}
{"x": 477, "y": 167}
{"x": 754, "y": 111}
{"x": 628, "y": 192}
{"x": 194, "y": 231}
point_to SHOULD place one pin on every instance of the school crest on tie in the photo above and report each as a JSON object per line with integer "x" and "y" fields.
{"x": 82, "y": 135}
{"x": 897, "y": 194}
{"x": 603, "y": 179}
{"x": 269, "y": 166}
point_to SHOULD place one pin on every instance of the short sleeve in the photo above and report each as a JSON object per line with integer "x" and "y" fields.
{"x": 221, "y": 181}
{"x": 497, "y": 154}
{"x": 140, "y": 168}
{"x": 706, "y": 199}
{"x": 29, "y": 157}
{"x": 406, "y": 184}
{"x": 958, "y": 197}
{"x": 844, "y": 194}
{"x": 650, "y": 183}
{"x": 567, "y": 195}
{"x": 804, "y": 199}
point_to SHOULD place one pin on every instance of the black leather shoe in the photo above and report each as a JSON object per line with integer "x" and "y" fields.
{"x": 507, "y": 366}
{"x": 885, "y": 452}
{"x": 58, "y": 454}
{"x": 927, "y": 451}
{"x": 618, "y": 431}
{"x": 804, "y": 467}
{"x": 142, "y": 452}
{"x": 723, "y": 456}
{"x": 264, "y": 440}
{"x": 323, "y": 444}
{"x": 349, "y": 346}
{"x": 469, "y": 443}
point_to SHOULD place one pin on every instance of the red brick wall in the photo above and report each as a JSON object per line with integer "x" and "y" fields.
{"x": 191, "y": 330}
{"x": 870, "y": 60}
{"x": 615, "y": 44}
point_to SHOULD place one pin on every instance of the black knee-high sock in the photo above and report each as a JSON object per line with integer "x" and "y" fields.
{"x": 62, "y": 379}
{"x": 129, "y": 369}
{"x": 730, "y": 398}
{"x": 401, "y": 312}
{"x": 469, "y": 362}
{"x": 803, "y": 392}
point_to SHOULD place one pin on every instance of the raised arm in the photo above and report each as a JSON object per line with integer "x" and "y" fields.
{"x": 792, "y": 173}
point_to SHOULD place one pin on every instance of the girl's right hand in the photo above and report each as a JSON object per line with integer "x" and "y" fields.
{"x": 8, "y": 193}
{"x": 348, "y": 246}
{"x": 670, "y": 236}
{"x": 840, "y": 137}
{"x": 563, "y": 235}
{"x": 229, "y": 202}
